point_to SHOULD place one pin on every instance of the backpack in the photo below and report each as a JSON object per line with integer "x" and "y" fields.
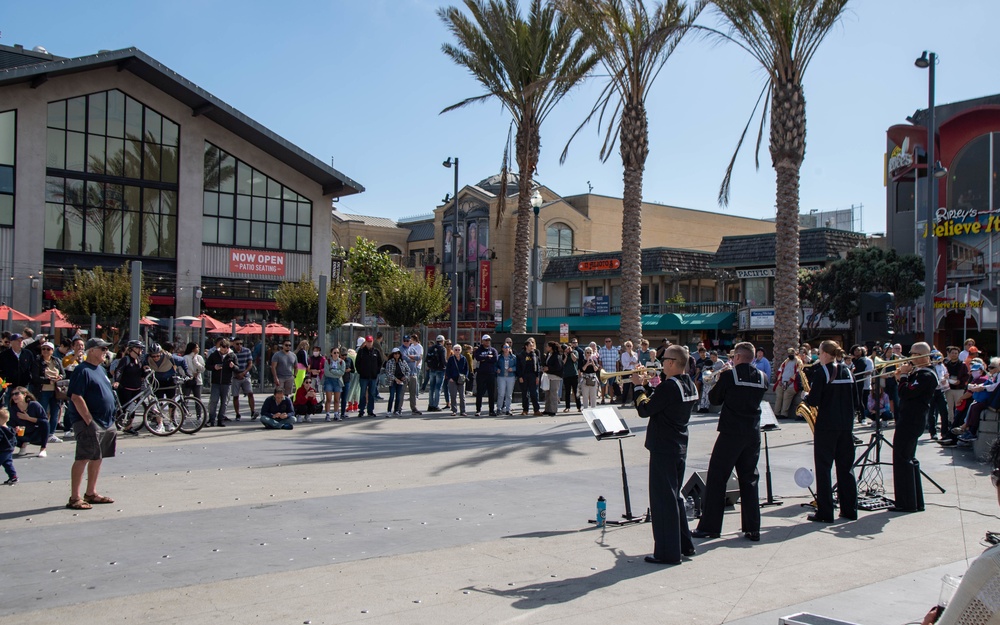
{"x": 434, "y": 357}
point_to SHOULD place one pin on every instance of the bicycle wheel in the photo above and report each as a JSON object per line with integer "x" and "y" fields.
{"x": 195, "y": 415}
{"x": 170, "y": 415}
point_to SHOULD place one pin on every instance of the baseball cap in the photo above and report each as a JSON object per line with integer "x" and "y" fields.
{"x": 361, "y": 341}
{"x": 486, "y": 337}
{"x": 48, "y": 344}
{"x": 96, "y": 342}
{"x": 395, "y": 350}
{"x": 16, "y": 337}
{"x": 976, "y": 367}
{"x": 439, "y": 339}
{"x": 973, "y": 350}
{"x": 369, "y": 338}
{"x": 792, "y": 351}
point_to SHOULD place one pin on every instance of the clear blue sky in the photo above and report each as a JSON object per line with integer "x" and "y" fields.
{"x": 363, "y": 82}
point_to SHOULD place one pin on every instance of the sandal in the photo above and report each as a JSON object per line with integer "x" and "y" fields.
{"x": 78, "y": 504}
{"x": 95, "y": 498}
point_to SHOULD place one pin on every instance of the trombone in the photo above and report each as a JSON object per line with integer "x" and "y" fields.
{"x": 876, "y": 371}
{"x": 608, "y": 375}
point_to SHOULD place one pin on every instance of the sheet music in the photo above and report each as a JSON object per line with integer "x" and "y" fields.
{"x": 604, "y": 421}
{"x": 768, "y": 421}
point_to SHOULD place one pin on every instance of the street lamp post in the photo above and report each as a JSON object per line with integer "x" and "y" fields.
{"x": 928, "y": 60}
{"x": 454, "y": 256}
{"x": 536, "y": 206}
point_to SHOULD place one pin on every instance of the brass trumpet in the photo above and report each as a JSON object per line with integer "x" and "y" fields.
{"x": 607, "y": 375}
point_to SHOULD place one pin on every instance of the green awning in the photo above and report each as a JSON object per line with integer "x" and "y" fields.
{"x": 609, "y": 323}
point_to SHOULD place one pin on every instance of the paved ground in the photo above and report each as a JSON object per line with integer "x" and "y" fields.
{"x": 434, "y": 519}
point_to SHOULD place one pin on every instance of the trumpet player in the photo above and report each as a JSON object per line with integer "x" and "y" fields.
{"x": 739, "y": 390}
{"x": 834, "y": 395}
{"x": 668, "y": 408}
{"x": 917, "y": 383}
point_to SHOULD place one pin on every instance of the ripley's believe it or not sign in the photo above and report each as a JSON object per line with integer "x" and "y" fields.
{"x": 959, "y": 222}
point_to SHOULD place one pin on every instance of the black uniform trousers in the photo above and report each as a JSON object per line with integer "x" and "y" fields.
{"x": 671, "y": 534}
{"x": 835, "y": 447}
{"x": 904, "y": 451}
{"x": 486, "y": 384}
{"x": 529, "y": 391}
{"x": 739, "y": 451}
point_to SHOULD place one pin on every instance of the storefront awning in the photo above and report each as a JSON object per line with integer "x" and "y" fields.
{"x": 651, "y": 323}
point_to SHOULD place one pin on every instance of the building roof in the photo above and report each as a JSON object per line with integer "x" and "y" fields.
{"x": 368, "y": 220}
{"x": 423, "y": 231}
{"x": 201, "y": 103}
{"x": 17, "y": 56}
{"x": 655, "y": 261}
{"x": 757, "y": 250}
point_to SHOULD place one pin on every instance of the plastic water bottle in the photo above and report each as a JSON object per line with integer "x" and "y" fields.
{"x": 602, "y": 511}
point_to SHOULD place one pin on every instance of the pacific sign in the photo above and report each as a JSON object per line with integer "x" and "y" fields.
{"x": 259, "y": 263}
{"x": 608, "y": 264}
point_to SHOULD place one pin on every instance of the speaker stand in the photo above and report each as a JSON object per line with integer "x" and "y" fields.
{"x": 771, "y": 501}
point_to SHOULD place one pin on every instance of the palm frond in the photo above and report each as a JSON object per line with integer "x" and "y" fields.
{"x": 727, "y": 179}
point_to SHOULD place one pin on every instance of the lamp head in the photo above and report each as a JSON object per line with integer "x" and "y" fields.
{"x": 923, "y": 62}
{"x": 940, "y": 171}
{"x": 447, "y": 163}
{"x": 536, "y": 201}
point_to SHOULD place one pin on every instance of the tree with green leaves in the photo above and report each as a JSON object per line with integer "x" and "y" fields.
{"x": 783, "y": 36}
{"x": 409, "y": 300}
{"x": 299, "y": 302}
{"x": 633, "y": 45}
{"x": 369, "y": 268}
{"x": 528, "y": 64}
{"x": 835, "y": 291}
{"x": 108, "y": 294}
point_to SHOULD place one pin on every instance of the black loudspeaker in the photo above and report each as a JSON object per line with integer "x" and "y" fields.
{"x": 695, "y": 489}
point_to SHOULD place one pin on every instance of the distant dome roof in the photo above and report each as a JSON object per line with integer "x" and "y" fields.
{"x": 492, "y": 184}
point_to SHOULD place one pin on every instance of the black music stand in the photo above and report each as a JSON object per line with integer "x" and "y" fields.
{"x": 606, "y": 424}
{"x": 768, "y": 423}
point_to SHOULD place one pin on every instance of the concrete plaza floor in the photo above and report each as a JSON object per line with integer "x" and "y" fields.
{"x": 435, "y": 519}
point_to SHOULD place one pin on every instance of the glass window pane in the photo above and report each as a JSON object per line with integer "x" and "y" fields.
{"x": 116, "y": 157}
{"x": 76, "y": 154}
{"x": 227, "y": 173}
{"x": 304, "y": 244}
{"x": 114, "y": 198}
{"x": 212, "y": 156}
{"x": 112, "y": 232}
{"x": 150, "y": 234}
{"x": 151, "y": 201}
{"x": 94, "y": 230}
{"x": 151, "y": 161}
{"x": 132, "y": 199}
{"x": 274, "y": 211}
{"x": 73, "y": 230}
{"x": 53, "y": 226}
{"x": 168, "y": 202}
{"x": 171, "y": 133}
{"x": 95, "y": 194}
{"x": 57, "y": 114}
{"x": 288, "y": 194}
{"x": 287, "y": 237}
{"x": 242, "y": 207}
{"x": 153, "y": 130}
{"x": 244, "y": 178}
{"x": 95, "y": 154}
{"x": 55, "y": 190}
{"x": 273, "y": 234}
{"x": 6, "y": 210}
{"x": 75, "y": 194}
{"x": 305, "y": 214}
{"x": 76, "y": 114}
{"x": 6, "y": 179}
{"x": 168, "y": 165}
{"x": 259, "y": 184}
{"x": 210, "y": 230}
{"x": 133, "y": 119}
{"x": 97, "y": 106}
{"x": 242, "y": 232}
{"x": 7, "y": 137}
{"x": 131, "y": 227}
{"x": 260, "y": 235}
{"x": 211, "y": 203}
{"x": 259, "y": 208}
{"x": 133, "y": 157}
{"x": 273, "y": 188}
{"x": 168, "y": 236}
{"x": 225, "y": 232}
{"x": 55, "y": 152}
{"x": 116, "y": 114}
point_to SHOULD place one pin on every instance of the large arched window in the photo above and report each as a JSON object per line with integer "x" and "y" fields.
{"x": 558, "y": 240}
{"x": 970, "y": 175}
{"x": 389, "y": 249}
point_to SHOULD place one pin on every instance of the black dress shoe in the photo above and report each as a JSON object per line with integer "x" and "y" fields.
{"x": 688, "y": 553}
{"x": 818, "y": 519}
{"x": 752, "y": 536}
{"x": 654, "y": 560}
{"x": 849, "y": 517}
{"x": 895, "y": 509}
{"x": 703, "y": 534}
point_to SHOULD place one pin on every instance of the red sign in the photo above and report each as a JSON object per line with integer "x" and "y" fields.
{"x": 607, "y": 264}
{"x": 257, "y": 262}
{"x": 484, "y": 284}
{"x": 430, "y": 273}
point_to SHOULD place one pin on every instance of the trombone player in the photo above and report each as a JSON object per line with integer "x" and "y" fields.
{"x": 917, "y": 383}
{"x": 833, "y": 394}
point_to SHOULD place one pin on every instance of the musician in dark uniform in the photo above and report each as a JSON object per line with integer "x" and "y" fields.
{"x": 739, "y": 390}
{"x": 668, "y": 408}
{"x": 917, "y": 383}
{"x": 834, "y": 394}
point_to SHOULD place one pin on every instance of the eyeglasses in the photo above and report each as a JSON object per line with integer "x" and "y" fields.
{"x": 103, "y": 349}
{"x": 995, "y": 477}
{"x": 46, "y": 349}
{"x": 673, "y": 359}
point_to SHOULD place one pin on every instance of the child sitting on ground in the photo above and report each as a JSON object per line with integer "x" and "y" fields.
{"x": 8, "y": 440}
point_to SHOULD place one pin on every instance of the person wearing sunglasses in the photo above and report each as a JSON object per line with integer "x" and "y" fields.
{"x": 91, "y": 413}
{"x": 916, "y": 382}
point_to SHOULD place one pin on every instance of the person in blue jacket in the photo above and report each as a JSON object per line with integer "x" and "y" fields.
{"x": 456, "y": 373}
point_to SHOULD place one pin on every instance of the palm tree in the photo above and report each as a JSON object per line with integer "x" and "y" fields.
{"x": 782, "y": 35}
{"x": 528, "y": 64}
{"x": 633, "y": 45}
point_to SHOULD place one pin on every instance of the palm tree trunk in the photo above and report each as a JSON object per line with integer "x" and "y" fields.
{"x": 788, "y": 133}
{"x": 528, "y": 141}
{"x": 634, "y": 150}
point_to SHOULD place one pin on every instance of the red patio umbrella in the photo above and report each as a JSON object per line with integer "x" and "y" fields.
{"x": 62, "y": 323}
{"x": 276, "y": 328}
{"x": 210, "y": 324}
{"x": 148, "y": 321}
{"x": 6, "y": 312}
{"x": 249, "y": 329}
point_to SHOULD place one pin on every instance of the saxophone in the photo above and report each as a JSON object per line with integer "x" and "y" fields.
{"x": 804, "y": 410}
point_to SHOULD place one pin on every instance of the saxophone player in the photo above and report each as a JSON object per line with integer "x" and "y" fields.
{"x": 740, "y": 391}
{"x": 833, "y": 394}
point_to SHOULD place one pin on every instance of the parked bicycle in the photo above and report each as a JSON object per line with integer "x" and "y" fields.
{"x": 195, "y": 414}
{"x": 161, "y": 417}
